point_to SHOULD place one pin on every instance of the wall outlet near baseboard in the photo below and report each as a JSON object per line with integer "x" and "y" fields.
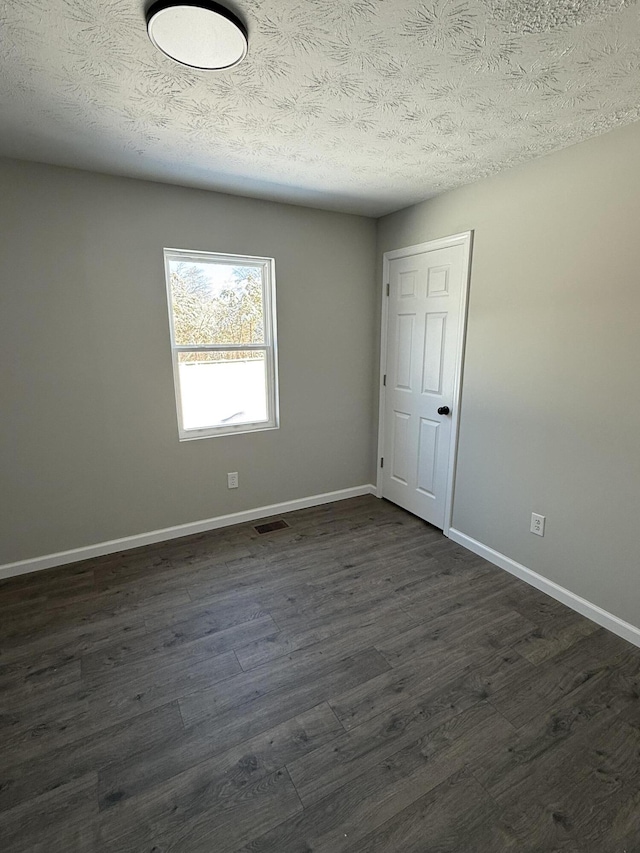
{"x": 232, "y": 480}
{"x": 537, "y": 523}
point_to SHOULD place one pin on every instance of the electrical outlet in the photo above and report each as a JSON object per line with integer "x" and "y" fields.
{"x": 232, "y": 480}
{"x": 537, "y": 523}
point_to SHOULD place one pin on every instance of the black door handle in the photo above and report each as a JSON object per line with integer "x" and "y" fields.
{"x": 444, "y": 410}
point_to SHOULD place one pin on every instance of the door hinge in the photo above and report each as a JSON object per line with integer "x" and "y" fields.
{"x": 387, "y": 288}
{"x": 382, "y": 461}
{"x": 384, "y": 379}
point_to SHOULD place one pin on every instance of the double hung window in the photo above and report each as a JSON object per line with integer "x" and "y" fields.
{"x": 223, "y": 340}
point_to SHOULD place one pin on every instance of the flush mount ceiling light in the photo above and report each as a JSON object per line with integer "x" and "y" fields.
{"x": 197, "y": 33}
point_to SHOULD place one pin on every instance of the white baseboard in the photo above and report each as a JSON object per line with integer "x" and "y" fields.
{"x": 602, "y": 617}
{"x": 111, "y": 547}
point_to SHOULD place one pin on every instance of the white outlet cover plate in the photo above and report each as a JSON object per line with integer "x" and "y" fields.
{"x": 537, "y": 523}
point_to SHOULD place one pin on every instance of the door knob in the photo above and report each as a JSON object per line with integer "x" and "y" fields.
{"x": 444, "y": 410}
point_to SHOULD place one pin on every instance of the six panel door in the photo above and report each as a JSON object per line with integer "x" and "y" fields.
{"x": 423, "y": 329}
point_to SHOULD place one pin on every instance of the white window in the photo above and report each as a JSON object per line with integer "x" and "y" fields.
{"x": 223, "y": 338}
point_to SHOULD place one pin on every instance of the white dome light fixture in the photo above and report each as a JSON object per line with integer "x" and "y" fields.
{"x": 198, "y": 33}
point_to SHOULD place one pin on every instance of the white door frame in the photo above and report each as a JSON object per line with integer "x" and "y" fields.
{"x": 463, "y": 239}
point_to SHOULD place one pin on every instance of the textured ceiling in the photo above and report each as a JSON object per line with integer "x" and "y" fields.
{"x": 361, "y": 105}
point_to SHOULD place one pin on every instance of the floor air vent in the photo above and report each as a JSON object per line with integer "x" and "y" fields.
{"x": 270, "y": 526}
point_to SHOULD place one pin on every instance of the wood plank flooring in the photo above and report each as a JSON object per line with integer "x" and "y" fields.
{"x": 354, "y": 683}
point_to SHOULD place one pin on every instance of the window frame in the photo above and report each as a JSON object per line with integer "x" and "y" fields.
{"x": 269, "y": 346}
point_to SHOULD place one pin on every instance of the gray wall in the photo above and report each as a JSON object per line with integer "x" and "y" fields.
{"x": 551, "y": 393}
{"x": 89, "y": 445}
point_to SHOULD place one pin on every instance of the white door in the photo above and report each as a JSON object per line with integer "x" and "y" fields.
{"x": 426, "y": 305}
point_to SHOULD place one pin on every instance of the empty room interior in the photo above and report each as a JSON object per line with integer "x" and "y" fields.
{"x": 319, "y": 448}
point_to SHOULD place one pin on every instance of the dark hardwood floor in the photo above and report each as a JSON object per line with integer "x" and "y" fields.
{"x": 355, "y": 682}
